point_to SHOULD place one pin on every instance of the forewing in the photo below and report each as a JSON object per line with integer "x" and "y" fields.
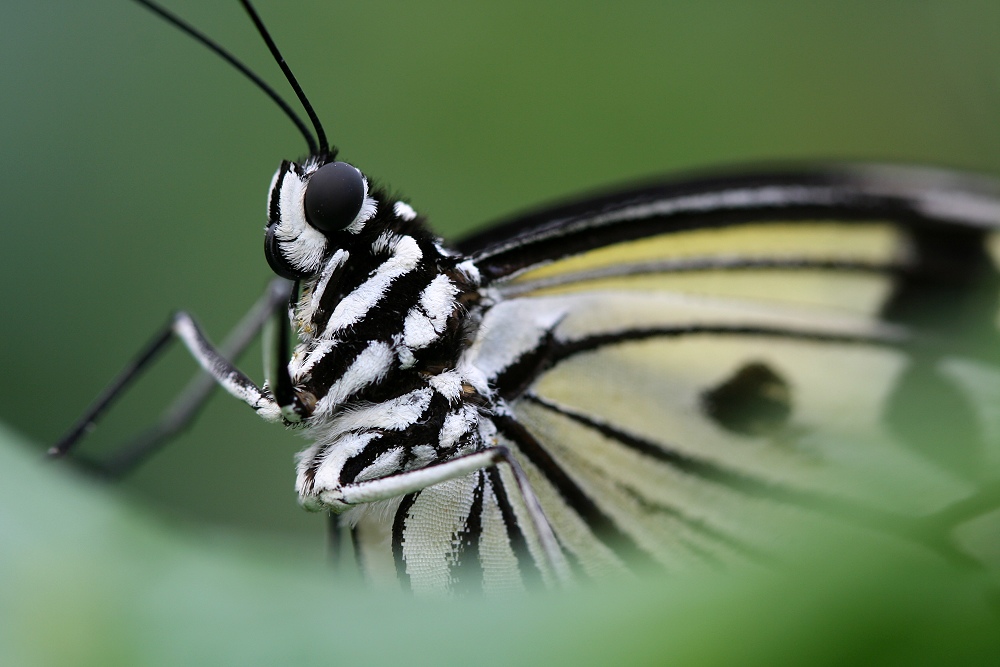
{"x": 687, "y": 383}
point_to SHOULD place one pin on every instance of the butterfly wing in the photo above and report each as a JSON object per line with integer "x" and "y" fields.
{"x": 690, "y": 368}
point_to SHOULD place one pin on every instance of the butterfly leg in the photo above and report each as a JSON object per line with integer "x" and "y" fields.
{"x": 414, "y": 480}
{"x": 217, "y": 371}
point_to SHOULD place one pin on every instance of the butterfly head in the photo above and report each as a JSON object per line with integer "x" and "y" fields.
{"x": 315, "y": 208}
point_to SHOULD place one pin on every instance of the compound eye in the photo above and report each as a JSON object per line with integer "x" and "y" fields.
{"x": 334, "y": 196}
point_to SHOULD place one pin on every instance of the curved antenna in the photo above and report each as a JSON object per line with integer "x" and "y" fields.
{"x": 191, "y": 31}
{"x": 324, "y": 147}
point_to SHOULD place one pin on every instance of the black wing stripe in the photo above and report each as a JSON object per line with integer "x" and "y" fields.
{"x": 859, "y": 193}
{"x": 957, "y": 305}
{"x": 398, "y": 530}
{"x": 702, "y": 469}
{"x": 823, "y": 502}
{"x": 689, "y": 465}
{"x": 956, "y": 289}
{"x": 534, "y": 224}
{"x": 569, "y": 348}
{"x": 466, "y": 570}
{"x": 529, "y": 252}
{"x": 603, "y": 527}
{"x": 518, "y": 376}
{"x": 519, "y": 545}
{"x": 702, "y": 264}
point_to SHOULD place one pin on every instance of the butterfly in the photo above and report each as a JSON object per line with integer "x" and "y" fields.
{"x": 671, "y": 376}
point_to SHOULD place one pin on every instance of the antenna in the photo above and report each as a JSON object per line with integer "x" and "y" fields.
{"x": 199, "y": 36}
{"x": 324, "y": 147}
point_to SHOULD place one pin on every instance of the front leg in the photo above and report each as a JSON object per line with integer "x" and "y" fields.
{"x": 225, "y": 374}
{"x": 219, "y": 372}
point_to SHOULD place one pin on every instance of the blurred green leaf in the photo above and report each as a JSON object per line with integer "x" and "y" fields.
{"x": 88, "y": 579}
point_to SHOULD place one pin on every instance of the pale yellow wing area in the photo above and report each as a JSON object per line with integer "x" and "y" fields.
{"x": 824, "y": 263}
{"x": 833, "y": 446}
{"x": 695, "y": 490}
{"x": 832, "y": 442}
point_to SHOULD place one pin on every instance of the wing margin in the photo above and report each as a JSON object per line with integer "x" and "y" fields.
{"x": 917, "y": 197}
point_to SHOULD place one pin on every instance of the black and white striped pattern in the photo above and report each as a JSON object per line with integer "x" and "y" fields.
{"x": 416, "y": 363}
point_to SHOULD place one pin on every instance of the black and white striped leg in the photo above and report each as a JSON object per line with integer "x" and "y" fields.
{"x": 218, "y": 371}
{"x": 414, "y": 480}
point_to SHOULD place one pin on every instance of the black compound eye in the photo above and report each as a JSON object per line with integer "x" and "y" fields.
{"x": 334, "y": 196}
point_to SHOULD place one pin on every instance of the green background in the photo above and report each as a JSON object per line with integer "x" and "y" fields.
{"x": 135, "y": 168}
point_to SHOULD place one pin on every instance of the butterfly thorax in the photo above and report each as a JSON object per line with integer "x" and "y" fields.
{"x": 382, "y": 320}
